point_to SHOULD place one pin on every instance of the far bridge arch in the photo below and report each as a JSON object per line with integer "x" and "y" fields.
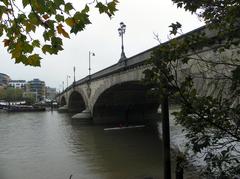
{"x": 63, "y": 101}
{"x": 76, "y": 102}
{"x": 126, "y": 103}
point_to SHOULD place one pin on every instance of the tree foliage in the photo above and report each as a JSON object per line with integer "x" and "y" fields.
{"x": 202, "y": 69}
{"x": 11, "y": 94}
{"x": 55, "y": 20}
{"x": 29, "y": 98}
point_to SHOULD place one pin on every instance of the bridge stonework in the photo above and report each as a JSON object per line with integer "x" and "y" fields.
{"x": 116, "y": 93}
{"x": 101, "y": 85}
{"x": 97, "y": 88}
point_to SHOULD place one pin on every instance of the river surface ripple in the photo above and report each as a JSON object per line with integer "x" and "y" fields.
{"x": 50, "y": 145}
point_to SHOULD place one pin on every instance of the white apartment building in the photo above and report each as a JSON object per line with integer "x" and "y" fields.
{"x": 19, "y": 84}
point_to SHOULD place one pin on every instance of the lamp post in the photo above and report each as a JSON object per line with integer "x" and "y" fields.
{"x": 63, "y": 85}
{"x": 74, "y": 74}
{"x": 89, "y": 62}
{"x": 59, "y": 88}
{"x": 68, "y": 76}
{"x": 121, "y": 31}
{"x": 89, "y": 70}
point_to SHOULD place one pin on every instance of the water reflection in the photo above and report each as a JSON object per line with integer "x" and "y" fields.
{"x": 133, "y": 153}
{"x": 51, "y": 145}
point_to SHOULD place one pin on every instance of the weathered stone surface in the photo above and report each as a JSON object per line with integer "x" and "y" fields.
{"x": 86, "y": 114}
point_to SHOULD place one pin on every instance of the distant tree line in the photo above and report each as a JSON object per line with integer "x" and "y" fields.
{"x": 11, "y": 94}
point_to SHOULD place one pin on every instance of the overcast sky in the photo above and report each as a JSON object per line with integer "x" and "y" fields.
{"x": 143, "y": 18}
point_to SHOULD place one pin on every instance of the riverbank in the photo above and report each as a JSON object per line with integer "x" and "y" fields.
{"x": 21, "y": 108}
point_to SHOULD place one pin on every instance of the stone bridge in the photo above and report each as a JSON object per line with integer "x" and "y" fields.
{"x": 115, "y": 94}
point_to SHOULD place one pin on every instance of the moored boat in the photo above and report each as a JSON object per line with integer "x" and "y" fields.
{"x": 23, "y": 108}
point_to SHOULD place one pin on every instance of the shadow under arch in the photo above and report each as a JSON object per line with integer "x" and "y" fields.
{"x": 63, "y": 101}
{"x": 126, "y": 103}
{"x": 76, "y": 102}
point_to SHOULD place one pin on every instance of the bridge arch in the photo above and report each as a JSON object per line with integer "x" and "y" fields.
{"x": 128, "y": 76}
{"x": 63, "y": 101}
{"x": 76, "y": 102}
{"x": 126, "y": 103}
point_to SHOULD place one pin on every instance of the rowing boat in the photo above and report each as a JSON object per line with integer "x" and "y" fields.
{"x": 124, "y": 127}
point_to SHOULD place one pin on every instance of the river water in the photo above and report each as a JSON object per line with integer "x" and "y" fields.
{"x": 50, "y": 145}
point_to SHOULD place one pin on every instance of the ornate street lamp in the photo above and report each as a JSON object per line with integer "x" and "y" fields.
{"x": 89, "y": 69}
{"x": 121, "y": 31}
{"x": 89, "y": 62}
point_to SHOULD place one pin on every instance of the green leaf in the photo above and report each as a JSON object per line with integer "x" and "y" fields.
{"x": 56, "y": 41}
{"x": 59, "y": 2}
{"x": 16, "y": 52}
{"x": 25, "y": 2}
{"x": 56, "y": 44}
{"x": 21, "y": 59}
{"x": 112, "y": 7}
{"x": 27, "y": 48}
{"x": 47, "y": 48}
{"x": 36, "y": 43}
{"x": 22, "y": 18}
{"x": 46, "y": 36}
{"x": 59, "y": 18}
{"x": 86, "y": 9}
{"x": 1, "y": 30}
{"x": 68, "y": 7}
{"x": 81, "y": 20}
{"x": 175, "y": 27}
{"x": 30, "y": 27}
{"x": 39, "y": 5}
{"x": 50, "y": 24}
{"x": 33, "y": 18}
{"x": 34, "y": 60}
{"x": 6, "y": 2}
{"x": 101, "y": 7}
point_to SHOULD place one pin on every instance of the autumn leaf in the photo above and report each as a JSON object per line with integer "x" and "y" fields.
{"x": 6, "y": 42}
{"x": 70, "y": 22}
{"x": 34, "y": 60}
{"x": 45, "y": 16}
{"x": 17, "y": 51}
{"x": 20, "y": 21}
{"x": 62, "y": 31}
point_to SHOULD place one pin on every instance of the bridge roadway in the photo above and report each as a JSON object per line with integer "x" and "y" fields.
{"x": 115, "y": 94}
